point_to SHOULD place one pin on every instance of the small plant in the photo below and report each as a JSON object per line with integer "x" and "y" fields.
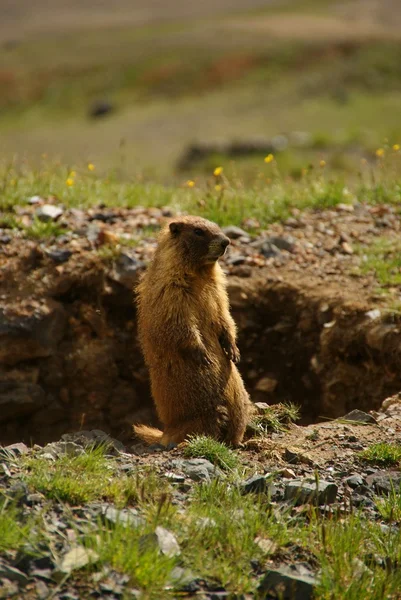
{"x": 109, "y": 252}
{"x": 382, "y": 454}
{"x": 39, "y": 230}
{"x": 390, "y": 506}
{"x": 276, "y": 417}
{"x": 8, "y": 221}
{"x": 88, "y": 477}
{"x": 217, "y": 453}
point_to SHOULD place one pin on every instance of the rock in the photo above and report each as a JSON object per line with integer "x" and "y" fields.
{"x": 354, "y": 481}
{"x": 12, "y": 574}
{"x": 303, "y": 492}
{"x": 358, "y": 416}
{"x": 258, "y": 484}
{"x": 261, "y": 407}
{"x": 94, "y": 438}
{"x": 59, "y": 256}
{"x": 269, "y": 250}
{"x": 373, "y": 314}
{"x": 126, "y": 270}
{"x": 57, "y": 449}
{"x": 13, "y": 451}
{"x": 239, "y": 259}
{"x": 234, "y": 232}
{"x": 8, "y": 589}
{"x": 100, "y": 108}
{"x": 288, "y": 583}
{"x": 266, "y": 384}
{"x": 384, "y": 481}
{"x": 35, "y": 200}
{"x": 19, "y": 399}
{"x": 183, "y": 580}
{"x": 48, "y": 212}
{"x": 283, "y": 243}
{"x": 42, "y": 590}
{"x": 77, "y": 558}
{"x": 162, "y": 539}
{"x": 126, "y": 517}
{"x": 198, "y": 469}
{"x": 33, "y": 332}
{"x": 267, "y": 546}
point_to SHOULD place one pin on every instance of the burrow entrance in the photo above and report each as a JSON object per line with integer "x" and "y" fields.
{"x": 69, "y": 360}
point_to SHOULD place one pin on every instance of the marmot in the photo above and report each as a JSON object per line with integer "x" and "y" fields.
{"x": 188, "y": 337}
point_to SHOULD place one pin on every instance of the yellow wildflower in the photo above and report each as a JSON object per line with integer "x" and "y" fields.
{"x": 91, "y": 167}
{"x": 396, "y": 147}
{"x": 218, "y": 187}
{"x": 218, "y": 171}
{"x": 190, "y": 183}
{"x": 380, "y": 152}
{"x": 304, "y": 172}
{"x": 69, "y": 181}
{"x": 322, "y": 163}
{"x": 269, "y": 158}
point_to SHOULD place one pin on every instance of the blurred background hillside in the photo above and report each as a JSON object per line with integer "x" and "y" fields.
{"x": 131, "y": 85}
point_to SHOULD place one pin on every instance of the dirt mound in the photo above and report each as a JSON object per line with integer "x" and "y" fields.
{"x": 69, "y": 357}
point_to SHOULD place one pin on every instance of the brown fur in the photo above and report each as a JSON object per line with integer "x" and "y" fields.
{"x": 188, "y": 338}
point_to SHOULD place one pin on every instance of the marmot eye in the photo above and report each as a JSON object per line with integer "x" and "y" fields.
{"x": 198, "y": 231}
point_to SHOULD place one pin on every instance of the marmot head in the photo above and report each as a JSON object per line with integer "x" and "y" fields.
{"x": 200, "y": 242}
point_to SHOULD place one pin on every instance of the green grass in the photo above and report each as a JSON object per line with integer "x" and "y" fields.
{"x": 39, "y": 230}
{"x": 383, "y": 259}
{"x": 382, "y": 454}
{"x": 276, "y": 417}
{"x": 13, "y": 534}
{"x": 216, "y": 452}
{"x": 89, "y": 477}
{"x": 222, "y": 533}
{"x": 266, "y": 200}
{"x": 389, "y": 506}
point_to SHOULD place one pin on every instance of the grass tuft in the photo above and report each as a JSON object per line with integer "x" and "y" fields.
{"x": 382, "y": 454}
{"x": 39, "y": 230}
{"x": 88, "y": 477}
{"x": 216, "y": 452}
{"x": 275, "y": 418}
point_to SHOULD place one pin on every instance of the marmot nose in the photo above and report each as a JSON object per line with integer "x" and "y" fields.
{"x": 225, "y": 242}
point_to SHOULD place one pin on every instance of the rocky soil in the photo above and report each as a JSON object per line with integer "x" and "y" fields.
{"x": 312, "y": 328}
{"x": 316, "y": 465}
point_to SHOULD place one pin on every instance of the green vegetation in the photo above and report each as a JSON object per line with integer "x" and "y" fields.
{"x": 223, "y": 535}
{"x": 276, "y": 417}
{"x": 86, "y": 478}
{"x": 389, "y": 506}
{"x": 40, "y": 229}
{"x": 383, "y": 259}
{"x": 382, "y": 454}
{"x": 216, "y": 452}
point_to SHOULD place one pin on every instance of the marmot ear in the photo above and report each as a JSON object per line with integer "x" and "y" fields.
{"x": 175, "y": 227}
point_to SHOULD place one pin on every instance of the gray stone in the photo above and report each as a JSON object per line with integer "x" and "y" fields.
{"x": 269, "y": 250}
{"x": 126, "y": 517}
{"x": 197, "y": 469}
{"x": 384, "y": 481}
{"x": 126, "y": 270}
{"x": 56, "y": 449}
{"x": 358, "y": 416}
{"x": 48, "y": 212}
{"x": 77, "y": 558}
{"x": 12, "y": 574}
{"x": 283, "y": 243}
{"x": 234, "y": 232}
{"x": 304, "y": 492}
{"x": 354, "y": 481}
{"x": 258, "y": 484}
{"x": 288, "y": 583}
{"x": 162, "y": 539}
{"x": 19, "y": 399}
{"x": 13, "y": 451}
{"x": 32, "y": 333}
{"x": 59, "y": 256}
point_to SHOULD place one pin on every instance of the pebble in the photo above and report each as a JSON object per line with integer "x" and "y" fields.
{"x": 303, "y": 492}
{"x": 48, "y": 212}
